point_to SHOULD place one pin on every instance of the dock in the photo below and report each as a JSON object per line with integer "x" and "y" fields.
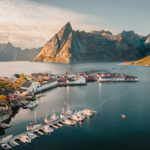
{"x": 29, "y": 136}
{"x": 39, "y": 132}
{"x": 60, "y": 125}
{"x": 54, "y": 126}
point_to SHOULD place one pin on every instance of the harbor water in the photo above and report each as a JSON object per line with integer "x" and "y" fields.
{"x": 105, "y": 130}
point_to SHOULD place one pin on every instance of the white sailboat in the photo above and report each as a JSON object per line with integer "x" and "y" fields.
{"x": 66, "y": 114}
{"x": 78, "y": 116}
{"x": 33, "y": 125}
{"x": 53, "y": 118}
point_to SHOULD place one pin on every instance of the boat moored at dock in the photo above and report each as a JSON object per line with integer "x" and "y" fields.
{"x": 5, "y": 146}
{"x": 88, "y": 112}
{"x": 47, "y": 129}
{"x": 68, "y": 119}
{"x": 31, "y": 135}
{"x": 25, "y": 139}
{"x": 66, "y": 114}
{"x": 68, "y": 122}
{"x": 5, "y": 139}
{"x": 13, "y": 143}
{"x": 78, "y": 116}
{"x": 53, "y": 118}
{"x": 33, "y": 126}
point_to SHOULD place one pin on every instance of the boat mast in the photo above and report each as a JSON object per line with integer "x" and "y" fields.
{"x": 68, "y": 108}
{"x": 35, "y": 116}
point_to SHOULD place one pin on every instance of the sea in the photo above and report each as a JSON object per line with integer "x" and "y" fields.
{"x": 105, "y": 130}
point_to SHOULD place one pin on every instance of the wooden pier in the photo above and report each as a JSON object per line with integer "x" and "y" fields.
{"x": 40, "y": 130}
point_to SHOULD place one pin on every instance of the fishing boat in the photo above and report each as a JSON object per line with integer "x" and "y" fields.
{"x": 53, "y": 118}
{"x": 78, "y": 116}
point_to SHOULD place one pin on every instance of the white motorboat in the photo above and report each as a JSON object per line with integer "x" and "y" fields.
{"x": 5, "y": 139}
{"x": 31, "y": 135}
{"x": 69, "y": 122}
{"x": 88, "y": 112}
{"x": 33, "y": 126}
{"x": 5, "y": 146}
{"x": 53, "y": 118}
{"x": 25, "y": 139}
{"x": 31, "y": 105}
{"x": 78, "y": 116}
{"x": 47, "y": 129}
{"x": 13, "y": 143}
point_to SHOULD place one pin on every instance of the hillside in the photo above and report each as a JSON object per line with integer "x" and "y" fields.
{"x": 142, "y": 62}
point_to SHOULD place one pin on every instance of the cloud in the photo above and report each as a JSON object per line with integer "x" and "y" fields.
{"x": 29, "y": 24}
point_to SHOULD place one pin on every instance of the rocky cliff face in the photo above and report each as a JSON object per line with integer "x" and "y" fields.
{"x": 147, "y": 40}
{"x": 74, "y": 46}
{"x": 10, "y": 53}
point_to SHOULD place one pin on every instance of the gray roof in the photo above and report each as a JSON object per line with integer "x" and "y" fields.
{"x": 27, "y": 84}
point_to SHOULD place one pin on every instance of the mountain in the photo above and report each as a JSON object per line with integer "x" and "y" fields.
{"x": 142, "y": 62}
{"x": 69, "y": 45}
{"x": 10, "y": 53}
{"x": 147, "y": 40}
{"x": 133, "y": 38}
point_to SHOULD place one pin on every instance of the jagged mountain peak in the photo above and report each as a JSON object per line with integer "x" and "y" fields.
{"x": 126, "y": 34}
{"x": 9, "y": 44}
{"x": 64, "y": 31}
{"x": 57, "y": 49}
{"x": 132, "y": 38}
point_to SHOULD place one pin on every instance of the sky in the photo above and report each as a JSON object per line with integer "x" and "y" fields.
{"x": 31, "y": 23}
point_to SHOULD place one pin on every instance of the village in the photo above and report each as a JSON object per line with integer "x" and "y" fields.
{"x": 22, "y": 90}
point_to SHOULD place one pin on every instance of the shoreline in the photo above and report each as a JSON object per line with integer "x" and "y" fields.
{"x": 37, "y": 83}
{"x": 133, "y": 64}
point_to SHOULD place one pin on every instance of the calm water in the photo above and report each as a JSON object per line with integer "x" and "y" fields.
{"x": 106, "y": 130}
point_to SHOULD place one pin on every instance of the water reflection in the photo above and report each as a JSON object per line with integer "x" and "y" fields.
{"x": 110, "y": 100}
{"x": 67, "y": 89}
{"x": 100, "y": 88}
